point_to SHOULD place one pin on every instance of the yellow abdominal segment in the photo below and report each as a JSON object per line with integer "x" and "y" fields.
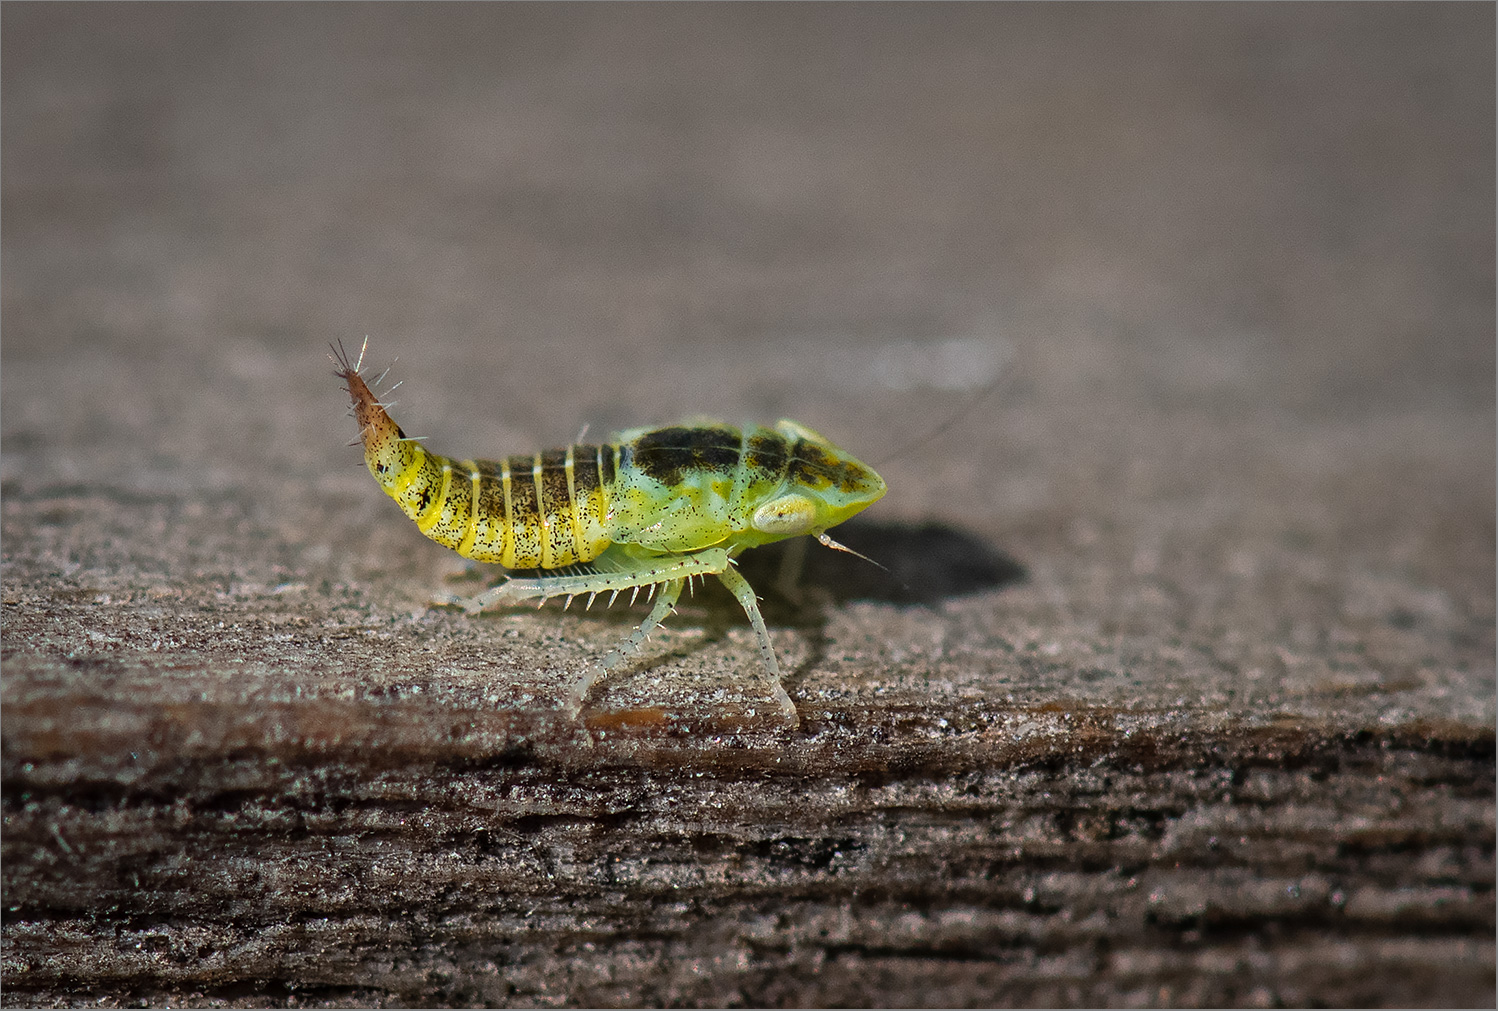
{"x": 543, "y": 511}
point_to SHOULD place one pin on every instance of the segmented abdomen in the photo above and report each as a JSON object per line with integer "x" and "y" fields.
{"x": 543, "y": 511}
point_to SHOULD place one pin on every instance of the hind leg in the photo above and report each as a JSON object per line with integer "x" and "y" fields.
{"x": 614, "y": 573}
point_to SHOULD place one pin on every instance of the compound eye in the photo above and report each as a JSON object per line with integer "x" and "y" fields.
{"x": 788, "y": 515}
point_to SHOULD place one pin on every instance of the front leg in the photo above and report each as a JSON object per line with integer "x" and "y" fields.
{"x": 741, "y": 589}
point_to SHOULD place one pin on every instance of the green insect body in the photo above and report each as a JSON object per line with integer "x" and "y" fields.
{"x": 651, "y": 509}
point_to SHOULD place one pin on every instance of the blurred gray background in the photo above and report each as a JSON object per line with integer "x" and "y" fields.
{"x": 1232, "y": 267}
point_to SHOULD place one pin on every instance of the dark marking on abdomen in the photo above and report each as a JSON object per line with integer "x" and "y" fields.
{"x": 585, "y": 477}
{"x": 554, "y": 498}
{"x": 523, "y": 492}
{"x": 491, "y": 497}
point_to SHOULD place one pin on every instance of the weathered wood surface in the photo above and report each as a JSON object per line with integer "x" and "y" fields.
{"x": 1184, "y": 693}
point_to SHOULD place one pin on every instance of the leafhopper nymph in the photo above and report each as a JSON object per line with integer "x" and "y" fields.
{"x": 651, "y": 509}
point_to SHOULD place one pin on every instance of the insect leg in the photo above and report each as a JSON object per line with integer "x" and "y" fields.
{"x": 664, "y": 604}
{"x": 740, "y": 588}
{"x": 788, "y": 582}
{"x": 631, "y": 573}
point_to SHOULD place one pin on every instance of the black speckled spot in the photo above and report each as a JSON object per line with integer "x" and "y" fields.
{"x": 667, "y": 453}
{"x": 584, "y": 469}
{"x": 491, "y": 497}
{"x": 523, "y": 492}
{"x": 768, "y": 455}
{"x": 554, "y": 499}
{"x": 813, "y": 466}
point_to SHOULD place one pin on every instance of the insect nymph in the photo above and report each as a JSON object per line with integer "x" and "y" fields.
{"x": 652, "y": 509}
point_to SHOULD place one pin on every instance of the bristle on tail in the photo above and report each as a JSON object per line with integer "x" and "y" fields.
{"x": 374, "y": 423}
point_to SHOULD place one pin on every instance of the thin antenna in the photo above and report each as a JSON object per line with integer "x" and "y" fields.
{"x": 835, "y": 546}
{"x": 956, "y": 416}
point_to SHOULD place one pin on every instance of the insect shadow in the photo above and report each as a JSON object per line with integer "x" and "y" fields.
{"x": 922, "y": 564}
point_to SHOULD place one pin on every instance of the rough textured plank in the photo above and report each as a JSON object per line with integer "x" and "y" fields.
{"x": 1181, "y": 693}
{"x": 387, "y": 851}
